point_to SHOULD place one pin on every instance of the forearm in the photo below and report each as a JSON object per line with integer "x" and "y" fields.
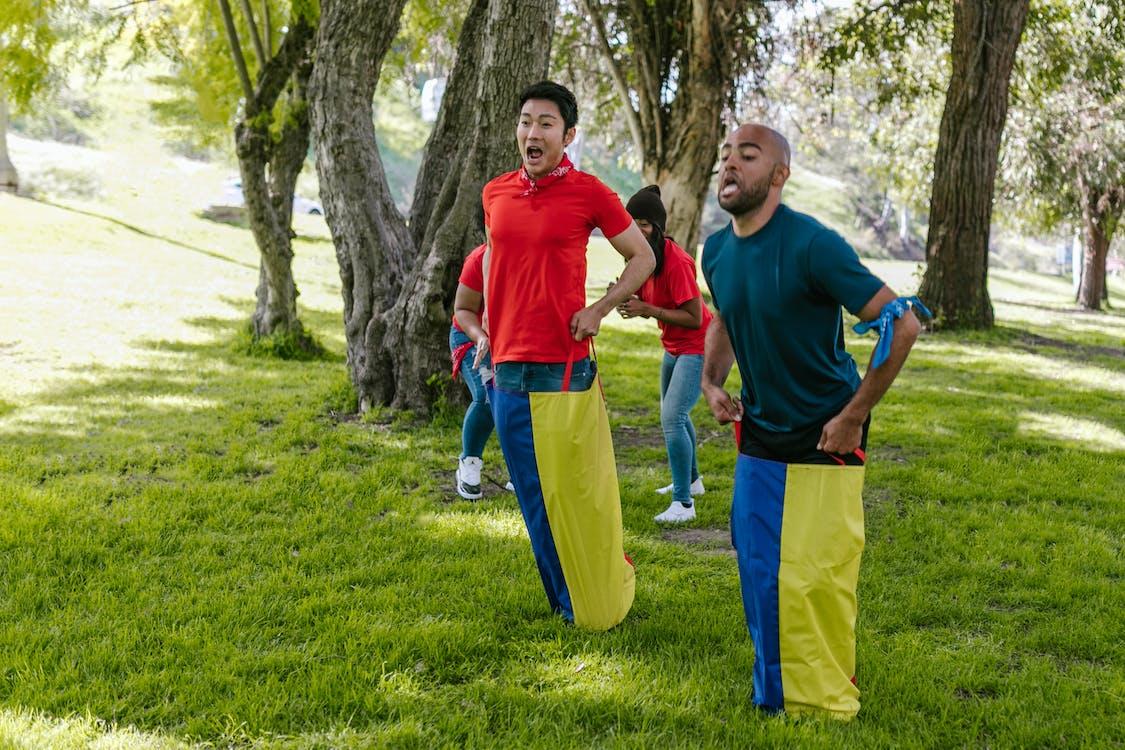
{"x": 637, "y": 270}
{"x": 718, "y": 354}
{"x": 674, "y": 317}
{"x": 878, "y": 380}
{"x": 470, "y": 323}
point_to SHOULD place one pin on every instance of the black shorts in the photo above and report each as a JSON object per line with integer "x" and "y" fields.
{"x": 797, "y": 447}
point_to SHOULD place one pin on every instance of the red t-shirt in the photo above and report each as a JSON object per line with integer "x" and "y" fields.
{"x": 537, "y": 267}
{"x": 674, "y": 286}
{"x": 472, "y": 276}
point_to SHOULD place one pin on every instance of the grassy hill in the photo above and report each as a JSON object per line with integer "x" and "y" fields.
{"x": 199, "y": 548}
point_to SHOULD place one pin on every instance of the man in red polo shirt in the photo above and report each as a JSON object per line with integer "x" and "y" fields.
{"x": 538, "y": 221}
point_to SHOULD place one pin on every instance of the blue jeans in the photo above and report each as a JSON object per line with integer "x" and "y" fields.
{"x": 477, "y": 425}
{"x": 526, "y": 377}
{"x": 680, "y": 378}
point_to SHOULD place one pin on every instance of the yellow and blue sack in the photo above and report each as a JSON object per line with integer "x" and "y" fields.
{"x": 559, "y": 453}
{"x": 798, "y": 531}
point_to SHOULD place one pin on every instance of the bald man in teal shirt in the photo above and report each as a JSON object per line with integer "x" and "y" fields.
{"x": 779, "y": 280}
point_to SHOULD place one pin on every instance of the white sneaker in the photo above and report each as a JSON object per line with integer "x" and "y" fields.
{"x": 509, "y": 486}
{"x": 676, "y": 513}
{"x": 468, "y": 477}
{"x": 696, "y": 488}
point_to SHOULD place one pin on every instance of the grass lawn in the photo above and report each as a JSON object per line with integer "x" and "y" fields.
{"x": 197, "y": 546}
{"x": 201, "y": 548}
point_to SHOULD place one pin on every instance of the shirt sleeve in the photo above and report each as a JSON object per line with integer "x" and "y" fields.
{"x": 836, "y": 271}
{"x": 472, "y": 273}
{"x": 608, "y": 213}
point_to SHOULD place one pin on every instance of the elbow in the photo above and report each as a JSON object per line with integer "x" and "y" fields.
{"x": 912, "y": 328}
{"x": 647, "y": 261}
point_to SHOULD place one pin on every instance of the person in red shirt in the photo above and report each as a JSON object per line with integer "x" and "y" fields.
{"x": 477, "y": 424}
{"x": 671, "y": 296}
{"x": 538, "y": 222}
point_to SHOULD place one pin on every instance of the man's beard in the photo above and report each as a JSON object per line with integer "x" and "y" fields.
{"x": 748, "y": 200}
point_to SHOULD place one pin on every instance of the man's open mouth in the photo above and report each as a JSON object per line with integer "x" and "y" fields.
{"x": 728, "y": 186}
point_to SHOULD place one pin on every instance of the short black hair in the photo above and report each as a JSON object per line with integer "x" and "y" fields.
{"x": 557, "y": 93}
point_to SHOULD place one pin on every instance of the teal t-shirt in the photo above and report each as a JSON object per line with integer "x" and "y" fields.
{"x": 779, "y": 292}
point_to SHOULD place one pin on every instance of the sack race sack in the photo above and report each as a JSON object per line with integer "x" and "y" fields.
{"x": 559, "y": 453}
{"x": 798, "y": 531}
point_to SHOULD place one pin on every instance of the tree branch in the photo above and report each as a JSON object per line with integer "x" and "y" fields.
{"x": 271, "y": 81}
{"x": 593, "y": 10}
{"x": 648, "y": 84}
{"x": 255, "y": 37}
{"x": 236, "y": 53}
{"x": 268, "y": 27}
{"x": 123, "y": 6}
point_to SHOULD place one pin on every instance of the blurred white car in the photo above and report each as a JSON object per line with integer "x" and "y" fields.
{"x": 232, "y": 198}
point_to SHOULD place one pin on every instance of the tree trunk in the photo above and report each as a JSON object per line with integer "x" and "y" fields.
{"x": 679, "y": 68}
{"x": 686, "y": 155}
{"x": 986, "y": 34}
{"x": 684, "y": 174}
{"x": 1097, "y": 219}
{"x": 269, "y": 167}
{"x": 399, "y": 279}
{"x": 370, "y": 236}
{"x": 9, "y": 178}
{"x": 276, "y": 309}
{"x": 515, "y": 53}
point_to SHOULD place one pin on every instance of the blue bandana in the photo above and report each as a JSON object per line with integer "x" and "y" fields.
{"x": 886, "y": 322}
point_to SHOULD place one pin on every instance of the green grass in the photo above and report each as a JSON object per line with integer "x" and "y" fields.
{"x": 196, "y": 546}
{"x": 201, "y": 547}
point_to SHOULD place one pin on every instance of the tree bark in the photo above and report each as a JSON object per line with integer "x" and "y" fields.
{"x": 1101, "y": 210}
{"x": 370, "y": 236}
{"x": 986, "y": 34}
{"x": 398, "y": 278}
{"x": 269, "y": 166}
{"x": 9, "y": 177}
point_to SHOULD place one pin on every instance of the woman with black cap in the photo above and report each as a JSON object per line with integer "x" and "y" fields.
{"x": 671, "y": 296}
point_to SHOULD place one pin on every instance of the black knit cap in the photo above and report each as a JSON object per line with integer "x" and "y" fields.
{"x": 646, "y": 206}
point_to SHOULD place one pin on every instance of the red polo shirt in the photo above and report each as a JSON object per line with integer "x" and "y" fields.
{"x": 472, "y": 276}
{"x": 674, "y": 286}
{"x": 537, "y": 267}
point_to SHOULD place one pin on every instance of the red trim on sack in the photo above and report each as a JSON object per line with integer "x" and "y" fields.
{"x": 834, "y": 457}
{"x": 862, "y": 456}
{"x": 852, "y": 678}
{"x": 629, "y": 559}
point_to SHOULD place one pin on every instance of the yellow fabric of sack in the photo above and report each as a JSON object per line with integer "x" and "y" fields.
{"x": 578, "y": 475}
{"x": 821, "y": 544}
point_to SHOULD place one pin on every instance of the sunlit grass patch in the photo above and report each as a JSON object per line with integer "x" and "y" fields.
{"x": 1087, "y": 433}
{"x": 26, "y": 730}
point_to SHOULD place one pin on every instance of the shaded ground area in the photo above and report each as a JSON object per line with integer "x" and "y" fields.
{"x": 708, "y": 541}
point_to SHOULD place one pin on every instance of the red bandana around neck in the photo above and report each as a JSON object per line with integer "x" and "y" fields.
{"x": 534, "y": 186}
